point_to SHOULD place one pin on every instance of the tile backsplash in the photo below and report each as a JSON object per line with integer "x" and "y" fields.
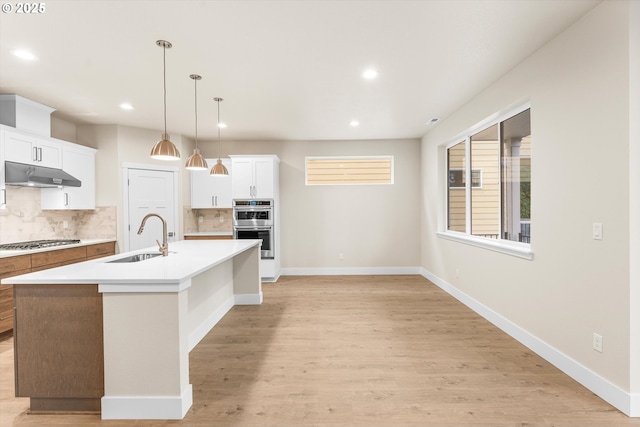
{"x": 212, "y": 220}
{"x": 23, "y": 220}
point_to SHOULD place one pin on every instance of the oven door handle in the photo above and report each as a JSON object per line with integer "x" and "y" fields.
{"x": 252, "y": 228}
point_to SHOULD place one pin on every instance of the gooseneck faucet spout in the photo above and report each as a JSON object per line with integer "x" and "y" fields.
{"x": 164, "y": 247}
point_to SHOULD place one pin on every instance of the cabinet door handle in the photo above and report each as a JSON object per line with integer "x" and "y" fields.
{"x": 66, "y": 199}
{"x": 35, "y": 154}
{"x": 213, "y": 203}
{"x": 39, "y": 154}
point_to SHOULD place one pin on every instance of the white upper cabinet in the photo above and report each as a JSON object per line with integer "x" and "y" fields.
{"x": 3, "y": 190}
{"x": 79, "y": 162}
{"x": 32, "y": 150}
{"x": 255, "y": 177}
{"x": 209, "y": 191}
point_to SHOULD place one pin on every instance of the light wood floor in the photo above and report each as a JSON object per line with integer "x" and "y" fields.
{"x": 359, "y": 351}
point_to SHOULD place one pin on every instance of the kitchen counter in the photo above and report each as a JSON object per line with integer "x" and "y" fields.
{"x": 83, "y": 242}
{"x": 150, "y": 314}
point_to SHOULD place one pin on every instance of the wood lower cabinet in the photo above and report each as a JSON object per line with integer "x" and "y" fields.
{"x": 21, "y": 264}
{"x": 229, "y": 237}
{"x": 58, "y": 345}
{"x": 101, "y": 250}
{"x": 12, "y": 266}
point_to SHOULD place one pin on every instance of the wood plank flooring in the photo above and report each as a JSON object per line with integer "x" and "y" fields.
{"x": 359, "y": 351}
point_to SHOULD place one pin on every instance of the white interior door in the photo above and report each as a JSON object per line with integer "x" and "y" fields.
{"x": 150, "y": 191}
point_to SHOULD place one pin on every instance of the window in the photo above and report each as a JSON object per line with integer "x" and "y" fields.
{"x": 349, "y": 170}
{"x": 457, "y": 178}
{"x": 489, "y": 180}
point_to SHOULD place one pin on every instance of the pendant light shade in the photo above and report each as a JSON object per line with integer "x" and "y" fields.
{"x": 196, "y": 161}
{"x": 165, "y": 149}
{"x": 219, "y": 169}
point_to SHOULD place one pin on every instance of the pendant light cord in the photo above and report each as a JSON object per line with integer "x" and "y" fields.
{"x": 218, "y": 129}
{"x": 195, "y": 88}
{"x": 164, "y": 68}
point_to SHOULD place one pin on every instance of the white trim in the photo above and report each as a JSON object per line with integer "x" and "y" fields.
{"x": 147, "y": 407}
{"x": 626, "y": 402}
{"x": 517, "y": 249}
{"x": 203, "y": 329}
{"x": 152, "y": 167}
{"x": 248, "y": 299}
{"x": 126, "y": 166}
{"x": 349, "y": 271}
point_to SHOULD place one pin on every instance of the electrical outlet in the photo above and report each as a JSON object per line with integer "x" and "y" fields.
{"x": 340, "y": 257}
{"x": 221, "y": 218}
{"x": 457, "y": 273}
{"x": 65, "y": 224}
{"x": 200, "y": 219}
{"x": 597, "y": 342}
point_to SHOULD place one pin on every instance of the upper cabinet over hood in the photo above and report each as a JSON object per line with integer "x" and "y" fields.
{"x": 25, "y": 114}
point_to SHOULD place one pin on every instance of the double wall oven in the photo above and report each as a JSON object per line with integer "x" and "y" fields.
{"x": 253, "y": 219}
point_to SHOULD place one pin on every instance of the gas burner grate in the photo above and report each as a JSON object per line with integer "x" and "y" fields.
{"x": 37, "y": 244}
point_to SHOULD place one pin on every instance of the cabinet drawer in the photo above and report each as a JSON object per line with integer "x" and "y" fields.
{"x": 58, "y": 257}
{"x": 101, "y": 250}
{"x": 8, "y": 266}
{"x": 6, "y": 322}
{"x": 6, "y": 309}
{"x": 6, "y": 301}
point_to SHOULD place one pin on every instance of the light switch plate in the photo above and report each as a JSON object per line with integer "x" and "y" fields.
{"x": 597, "y": 231}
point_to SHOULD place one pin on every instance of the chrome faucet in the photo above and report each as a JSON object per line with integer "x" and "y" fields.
{"x": 164, "y": 247}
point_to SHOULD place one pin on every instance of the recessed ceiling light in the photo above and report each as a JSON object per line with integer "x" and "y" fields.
{"x": 24, "y": 54}
{"x": 126, "y": 106}
{"x": 354, "y": 123}
{"x": 222, "y": 125}
{"x": 370, "y": 74}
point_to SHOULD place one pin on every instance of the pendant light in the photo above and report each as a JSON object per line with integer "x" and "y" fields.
{"x": 196, "y": 161}
{"x": 165, "y": 149}
{"x": 219, "y": 169}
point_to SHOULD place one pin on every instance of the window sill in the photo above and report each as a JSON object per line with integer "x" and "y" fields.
{"x": 520, "y": 250}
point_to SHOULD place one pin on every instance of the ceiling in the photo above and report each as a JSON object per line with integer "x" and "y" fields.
{"x": 287, "y": 70}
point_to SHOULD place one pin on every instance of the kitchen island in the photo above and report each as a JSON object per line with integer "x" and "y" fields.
{"x": 135, "y": 322}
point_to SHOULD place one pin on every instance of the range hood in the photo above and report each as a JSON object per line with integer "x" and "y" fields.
{"x": 37, "y": 176}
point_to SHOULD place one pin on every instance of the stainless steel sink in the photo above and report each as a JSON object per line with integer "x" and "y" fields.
{"x": 136, "y": 257}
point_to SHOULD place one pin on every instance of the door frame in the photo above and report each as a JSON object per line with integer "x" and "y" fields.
{"x": 126, "y": 166}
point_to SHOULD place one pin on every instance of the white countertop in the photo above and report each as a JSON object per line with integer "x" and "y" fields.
{"x": 83, "y": 242}
{"x": 187, "y": 258}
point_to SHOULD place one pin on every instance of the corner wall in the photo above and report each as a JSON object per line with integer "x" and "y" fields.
{"x": 578, "y": 87}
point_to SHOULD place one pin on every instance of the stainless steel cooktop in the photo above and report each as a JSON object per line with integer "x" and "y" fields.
{"x": 37, "y": 244}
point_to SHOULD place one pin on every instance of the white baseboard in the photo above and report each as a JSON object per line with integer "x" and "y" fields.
{"x": 626, "y": 402}
{"x": 147, "y": 407}
{"x": 248, "y": 299}
{"x": 349, "y": 271}
{"x": 203, "y": 329}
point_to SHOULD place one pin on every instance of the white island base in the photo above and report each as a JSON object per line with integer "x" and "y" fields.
{"x": 155, "y": 312}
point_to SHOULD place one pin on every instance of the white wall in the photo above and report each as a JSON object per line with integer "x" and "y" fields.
{"x": 578, "y": 86}
{"x": 372, "y": 226}
{"x": 634, "y": 190}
